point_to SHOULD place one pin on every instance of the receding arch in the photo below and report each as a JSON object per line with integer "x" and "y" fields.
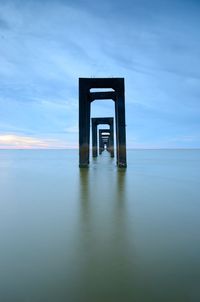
{"x": 105, "y": 136}
{"x": 102, "y": 121}
{"x": 85, "y": 99}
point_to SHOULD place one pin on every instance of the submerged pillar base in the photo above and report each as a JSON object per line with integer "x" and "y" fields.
{"x": 122, "y": 165}
{"x": 94, "y": 153}
{"x": 83, "y": 165}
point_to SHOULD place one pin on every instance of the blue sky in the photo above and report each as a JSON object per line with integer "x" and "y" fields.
{"x": 45, "y": 46}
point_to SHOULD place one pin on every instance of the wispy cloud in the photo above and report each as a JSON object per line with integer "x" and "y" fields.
{"x": 13, "y": 141}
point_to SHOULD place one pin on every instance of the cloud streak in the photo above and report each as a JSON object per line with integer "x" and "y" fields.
{"x": 13, "y": 141}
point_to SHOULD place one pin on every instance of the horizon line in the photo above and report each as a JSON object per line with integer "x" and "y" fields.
{"x": 162, "y": 148}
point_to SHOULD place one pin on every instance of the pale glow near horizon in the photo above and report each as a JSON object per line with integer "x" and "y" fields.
{"x": 12, "y": 141}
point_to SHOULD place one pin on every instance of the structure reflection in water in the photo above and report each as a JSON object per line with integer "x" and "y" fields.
{"x": 107, "y": 268}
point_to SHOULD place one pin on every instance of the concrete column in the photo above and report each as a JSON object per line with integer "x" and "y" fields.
{"x": 111, "y": 140}
{"x": 108, "y": 144}
{"x": 94, "y": 138}
{"x": 116, "y": 133}
{"x": 101, "y": 146}
{"x": 84, "y": 125}
{"x": 120, "y": 125}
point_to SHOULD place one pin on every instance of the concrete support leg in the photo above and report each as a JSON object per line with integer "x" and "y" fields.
{"x": 116, "y": 133}
{"x": 121, "y": 129}
{"x": 84, "y": 127}
{"x": 94, "y": 139}
{"x": 101, "y": 146}
{"x": 111, "y": 140}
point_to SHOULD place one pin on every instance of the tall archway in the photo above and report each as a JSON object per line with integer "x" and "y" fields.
{"x": 85, "y": 99}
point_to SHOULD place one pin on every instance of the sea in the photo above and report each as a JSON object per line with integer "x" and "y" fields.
{"x": 101, "y": 234}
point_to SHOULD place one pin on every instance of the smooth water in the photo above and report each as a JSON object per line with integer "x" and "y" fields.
{"x": 99, "y": 234}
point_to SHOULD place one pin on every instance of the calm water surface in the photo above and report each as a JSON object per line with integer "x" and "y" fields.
{"x": 99, "y": 234}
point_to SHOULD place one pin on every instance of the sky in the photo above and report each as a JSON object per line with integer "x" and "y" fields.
{"x": 46, "y": 45}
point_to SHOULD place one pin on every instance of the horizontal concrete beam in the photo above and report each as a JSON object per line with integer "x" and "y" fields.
{"x": 102, "y": 120}
{"x": 115, "y": 83}
{"x": 104, "y": 95}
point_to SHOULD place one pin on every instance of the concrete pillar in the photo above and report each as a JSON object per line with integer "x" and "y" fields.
{"x": 94, "y": 138}
{"x": 101, "y": 147}
{"x": 84, "y": 124}
{"x": 111, "y": 142}
{"x": 120, "y": 125}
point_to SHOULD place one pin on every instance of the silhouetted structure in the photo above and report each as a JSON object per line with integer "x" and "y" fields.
{"x": 102, "y": 121}
{"x": 104, "y": 144}
{"x": 104, "y": 139}
{"x": 85, "y": 98}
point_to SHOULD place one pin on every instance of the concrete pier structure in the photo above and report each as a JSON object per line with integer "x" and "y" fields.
{"x": 104, "y": 134}
{"x": 102, "y": 121}
{"x": 104, "y": 142}
{"x": 85, "y": 99}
